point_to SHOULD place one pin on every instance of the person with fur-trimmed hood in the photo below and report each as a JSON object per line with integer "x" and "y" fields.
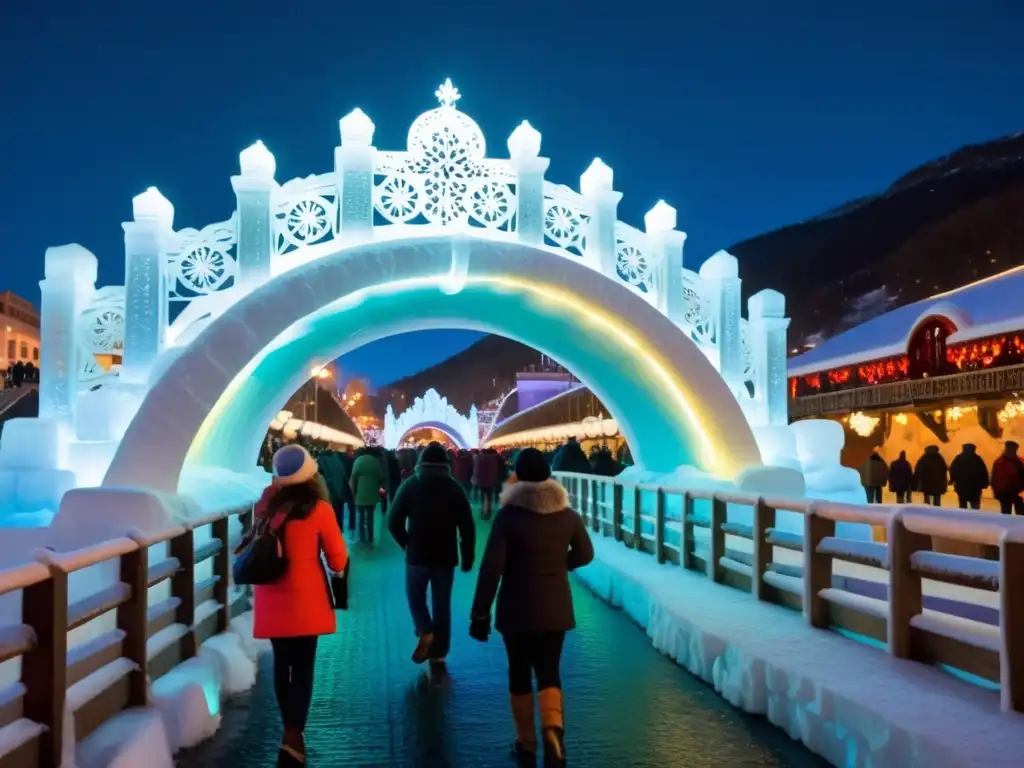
{"x": 536, "y": 539}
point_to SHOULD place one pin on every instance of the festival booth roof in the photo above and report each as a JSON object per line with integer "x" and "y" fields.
{"x": 984, "y": 308}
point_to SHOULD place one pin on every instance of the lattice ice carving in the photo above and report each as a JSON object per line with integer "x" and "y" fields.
{"x": 444, "y": 176}
{"x": 101, "y": 330}
{"x": 202, "y": 261}
{"x": 305, "y": 213}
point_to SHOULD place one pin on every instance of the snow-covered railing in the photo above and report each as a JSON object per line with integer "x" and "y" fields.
{"x": 95, "y": 679}
{"x": 903, "y": 623}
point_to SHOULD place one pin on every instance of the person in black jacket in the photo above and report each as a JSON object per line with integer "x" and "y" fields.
{"x": 537, "y": 538}
{"x": 969, "y": 477}
{"x": 930, "y": 475}
{"x": 901, "y": 478}
{"x": 430, "y": 518}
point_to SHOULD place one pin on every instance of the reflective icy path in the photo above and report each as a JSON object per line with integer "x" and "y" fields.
{"x": 626, "y": 704}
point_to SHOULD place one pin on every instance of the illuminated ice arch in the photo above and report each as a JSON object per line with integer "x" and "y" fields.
{"x": 434, "y": 412}
{"x": 213, "y": 402}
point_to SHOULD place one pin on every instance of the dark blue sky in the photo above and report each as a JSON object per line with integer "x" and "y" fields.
{"x": 745, "y": 115}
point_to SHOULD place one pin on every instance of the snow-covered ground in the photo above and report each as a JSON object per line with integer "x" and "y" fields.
{"x": 849, "y": 702}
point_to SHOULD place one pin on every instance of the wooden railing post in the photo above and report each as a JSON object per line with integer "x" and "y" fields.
{"x": 659, "y": 526}
{"x": 595, "y": 505}
{"x": 222, "y": 570}
{"x": 716, "y": 539}
{"x": 905, "y": 599}
{"x": 817, "y": 568}
{"x": 133, "y": 619}
{"x": 764, "y": 518}
{"x": 637, "y": 543}
{"x": 686, "y": 533}
{"x": 44, "y": 607}
{"x": 1011, "y": 622}
{"x": 617, "y": 512}
{"x": 183, "y": 587}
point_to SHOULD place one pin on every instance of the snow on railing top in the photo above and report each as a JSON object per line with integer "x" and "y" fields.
{"x": 988, "y": 645}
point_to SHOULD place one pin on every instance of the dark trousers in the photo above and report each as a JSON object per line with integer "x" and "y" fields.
{"x": 874, "y": 494}
{"x": 352, "y": 516}
{"x": 365, "y": 517}
{"x": 533, "y": 654}
{"x": 294, "y": 665}
{"x": 969, "y": 500}
{"x": 1014, "y": 504}
{"x": 902, "y": 497}
{"x": 439, "y": 620}
{"x": 934, "y": 499}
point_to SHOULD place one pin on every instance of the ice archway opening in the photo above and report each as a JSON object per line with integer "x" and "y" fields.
{"x": 211, "y": 405}
{"x": 439, "y": 426}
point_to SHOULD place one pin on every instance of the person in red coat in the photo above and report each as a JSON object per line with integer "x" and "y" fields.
{"x": 293, "y": 612}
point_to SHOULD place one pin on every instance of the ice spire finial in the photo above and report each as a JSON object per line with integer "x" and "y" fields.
{"x": 447, "y": 94}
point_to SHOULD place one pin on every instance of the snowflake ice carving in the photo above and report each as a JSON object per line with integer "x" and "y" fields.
{"x": 202, "y": 262}
{"x": 444, "y": 174}
{"x": 632, "y": 266}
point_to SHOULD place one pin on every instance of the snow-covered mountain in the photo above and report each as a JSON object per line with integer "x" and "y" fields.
{"x": 949, "y": 222}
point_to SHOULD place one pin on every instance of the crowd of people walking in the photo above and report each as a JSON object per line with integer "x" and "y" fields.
{"x": 968, "y": 475}
{"x": 534, "y": 540}
{"x": 20, "y": 373}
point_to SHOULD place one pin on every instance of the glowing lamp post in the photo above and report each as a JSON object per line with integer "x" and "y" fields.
{"x": 319, "y": 373}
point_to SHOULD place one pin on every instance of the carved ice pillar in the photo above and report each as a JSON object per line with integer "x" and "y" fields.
{"x": 474, "y": 427}
{"x": 766, "y": 312}
{"x": 524, "y": 148}
{"x": 145, "y": 284}
{"x": 70, "y": 279}
{"x": 667, "y": 249}
{"x": 254, "y": 191}
{"x": 353, "y": 165}
{"x": 721, "y": 273}
{"x": 602, "y": 204}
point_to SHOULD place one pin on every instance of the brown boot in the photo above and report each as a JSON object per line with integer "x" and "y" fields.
{"x": 422, "y": 652}
{"x": 293, "y": 748}
{"x": 525, "y": 746}
{"x": 553, "y": 727}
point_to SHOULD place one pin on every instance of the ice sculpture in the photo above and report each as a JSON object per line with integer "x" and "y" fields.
{"x": 819, "y": 443}
{"x": 432, "y": 412}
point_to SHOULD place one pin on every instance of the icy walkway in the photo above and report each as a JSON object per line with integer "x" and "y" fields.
{"x": 849, "y": 702}
{"x": 627, "y": 705}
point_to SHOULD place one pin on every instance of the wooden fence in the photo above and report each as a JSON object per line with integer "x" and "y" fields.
{"x": 96, "y": 679}
{"x": 901, "y": 623}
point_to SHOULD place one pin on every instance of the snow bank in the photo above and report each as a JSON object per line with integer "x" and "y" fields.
{"x": 188, "y": 699}
{"x": 241, "y": 626}
{"x": 131, "y": 738}
{"x": 215, "y": 488}
{"x": 237, "y": 671}
{"x": 870, "y": 710}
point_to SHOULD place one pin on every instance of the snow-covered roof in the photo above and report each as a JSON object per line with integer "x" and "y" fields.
{"x": 983, "y": 308}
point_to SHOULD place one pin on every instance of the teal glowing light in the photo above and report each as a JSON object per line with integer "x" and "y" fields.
{"x": 622, "y": 377}
{"x": 213, "y": 402}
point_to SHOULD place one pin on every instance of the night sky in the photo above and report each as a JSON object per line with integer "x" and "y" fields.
{"x": 745, "y": 116}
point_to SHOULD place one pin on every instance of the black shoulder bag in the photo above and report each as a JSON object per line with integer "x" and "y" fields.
{"x": 263, "y": 560}
{"x": 339, "y": 588}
